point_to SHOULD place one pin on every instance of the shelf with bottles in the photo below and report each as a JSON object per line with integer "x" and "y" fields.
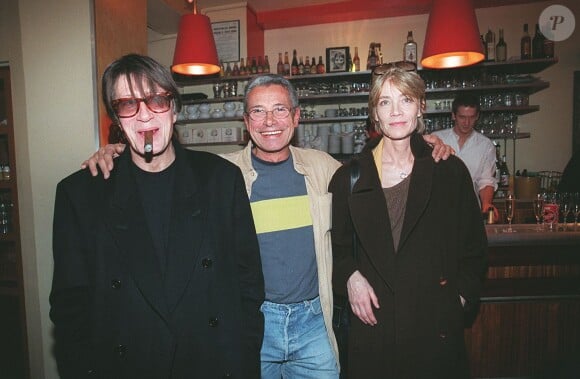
{"x": 520, "y": 110}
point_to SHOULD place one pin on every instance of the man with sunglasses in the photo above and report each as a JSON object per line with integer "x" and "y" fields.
{"x": 157, "y": 270}
{"x": 291, "y": 206}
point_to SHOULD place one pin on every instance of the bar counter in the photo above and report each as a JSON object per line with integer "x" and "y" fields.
{"x": 528, "y": 322}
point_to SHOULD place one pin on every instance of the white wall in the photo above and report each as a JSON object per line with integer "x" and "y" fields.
{"x": 49, "y": 49}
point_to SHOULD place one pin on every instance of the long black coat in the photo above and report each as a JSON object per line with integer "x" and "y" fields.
{"x": 441, "y": 254}
{"x": 115, "y": 316}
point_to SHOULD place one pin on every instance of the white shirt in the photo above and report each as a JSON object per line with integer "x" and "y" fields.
{"x": 478, "y": 154}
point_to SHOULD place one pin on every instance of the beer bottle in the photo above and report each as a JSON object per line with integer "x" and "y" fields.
{"x": 280, "y": 66}
{"x": 525, "y": 44}
{"x": 294, "y": 66}
{"x": 501, "y": 48}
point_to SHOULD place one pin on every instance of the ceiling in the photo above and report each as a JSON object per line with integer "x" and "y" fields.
{"x": 163, "y": 15}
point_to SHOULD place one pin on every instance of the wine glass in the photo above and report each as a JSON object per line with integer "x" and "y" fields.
{"x": 510, "y": 205}
{"x": 576, "y": 209}
{"x": 539, "y": 210}
{"x": 565, "y": 207}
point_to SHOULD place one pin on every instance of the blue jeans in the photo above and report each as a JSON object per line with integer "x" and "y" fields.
{"x": 296, "y": 344}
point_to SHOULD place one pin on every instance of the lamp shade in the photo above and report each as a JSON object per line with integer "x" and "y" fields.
{"x": 195, "y": 51}
{"x": 452, "y": 38}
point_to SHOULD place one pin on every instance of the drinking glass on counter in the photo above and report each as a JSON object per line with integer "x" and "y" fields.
{"x": 539, "y": 210}
{"x": 564, "y": 205}
{"x": 510, "y": 205}
{"x": 576, "y": 209}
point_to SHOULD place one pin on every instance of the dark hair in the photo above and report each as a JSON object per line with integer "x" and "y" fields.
{"x": 137, "y": 69}
{"x": 269, "y": 80}
{"x": 465, "y": 100}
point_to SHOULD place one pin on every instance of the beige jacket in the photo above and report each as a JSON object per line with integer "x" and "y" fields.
{"x": 318, "y": 168}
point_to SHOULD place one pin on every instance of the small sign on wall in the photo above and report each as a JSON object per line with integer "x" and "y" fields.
{"x": 227, "y": 40}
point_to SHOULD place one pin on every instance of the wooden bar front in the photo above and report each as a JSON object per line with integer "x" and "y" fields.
{"x": 528, "y": 324}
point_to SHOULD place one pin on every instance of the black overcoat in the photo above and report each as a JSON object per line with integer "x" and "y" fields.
{"x": 441, "y": 254}
{"x": 117, "y": 316}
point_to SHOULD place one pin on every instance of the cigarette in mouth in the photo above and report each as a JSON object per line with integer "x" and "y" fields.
{"x": 148, "y": 141}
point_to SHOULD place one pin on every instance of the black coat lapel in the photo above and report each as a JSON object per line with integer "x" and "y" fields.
{"x": 129, "y": 228}
{"x": 186, "y": 229}
{"x": 419, "y": 188}
{"x": 368, "y": 203}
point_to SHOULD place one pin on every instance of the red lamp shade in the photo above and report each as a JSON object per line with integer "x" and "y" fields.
{"x": 452, "y": 38}
{"x": 195, "y": 51}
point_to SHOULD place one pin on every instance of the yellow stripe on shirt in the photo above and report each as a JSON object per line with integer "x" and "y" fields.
{"x": 281, "y": 214}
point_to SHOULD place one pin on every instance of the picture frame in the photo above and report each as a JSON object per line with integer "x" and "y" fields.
{"x": 337, "y": 58}
{"x": 227, "y": 40}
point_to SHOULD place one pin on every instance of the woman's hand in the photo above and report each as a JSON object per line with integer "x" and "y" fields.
{"x": 362, "y": 298}
{"x": 440, "y": 150}
{"x": 104, "y": 159}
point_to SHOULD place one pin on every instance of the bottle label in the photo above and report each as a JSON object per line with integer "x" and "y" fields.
{"x": 411, "y": 53}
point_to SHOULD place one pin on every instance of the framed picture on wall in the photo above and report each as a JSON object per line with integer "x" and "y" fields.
{"x": 336, "y": 59}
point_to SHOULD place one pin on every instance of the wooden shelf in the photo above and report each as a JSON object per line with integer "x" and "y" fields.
{"x": 518, "y": 110}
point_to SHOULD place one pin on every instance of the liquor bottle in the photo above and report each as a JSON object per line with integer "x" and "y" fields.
{"x": 286, "y": 64}
{"x": 294, "y": 63}
{"x": 378, "y": 53}
{"x": 254, "y": 67}
{"x": 320, "y": 68}
{"x": 266, "y": 65}
{"x": 306, "y": 65}
{"x": 280, "y": 65}
{"x": 483, "y": 46}
{"x": 356, "y": 59}
{"x": 526, "y": 44}
{"x": 301, "y": 66}
{"x": 228, "y": 70}
{"x": 500, "y": 193}
{"x": 410, "y": 49}
{"x": 504, "y": 174}
{"x": 372, "y": 58}
{"x": 490, "y": 45}
{"x": 243, "y": 70}
{"x": 538, "y": 44}
{"x": 236, "y": 70}
{"x": 222, "y": 69}
{"x": 548, "y": 48}
{"x": 501, "y": 48}
{"x": 313, "y": 68}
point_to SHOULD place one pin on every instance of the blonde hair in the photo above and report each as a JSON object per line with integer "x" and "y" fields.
{"x": 408, "y": 82}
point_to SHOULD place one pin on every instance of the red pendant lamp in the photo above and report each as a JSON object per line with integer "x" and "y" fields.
{"x": 195, "y": 51}
{"x": 452, "y": 38}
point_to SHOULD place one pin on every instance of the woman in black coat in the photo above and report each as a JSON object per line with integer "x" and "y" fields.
{"x": 421, "y": 244}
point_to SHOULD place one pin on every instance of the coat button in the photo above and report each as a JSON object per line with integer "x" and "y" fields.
{"x": 213, "y": 322}
{"x": 206, "y": 262}
{"x": 442, "y": 335}
{"x": 228, "y": 375}
{"x": 442, "y": 281}
{"x": 121, "y": 350}
{"x": 90, "y": 372}
{"x": 115, "y": 284}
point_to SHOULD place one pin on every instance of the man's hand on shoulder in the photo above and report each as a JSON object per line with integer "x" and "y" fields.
{"x": 103, "y": 158}
{"x": 440, "y": 150}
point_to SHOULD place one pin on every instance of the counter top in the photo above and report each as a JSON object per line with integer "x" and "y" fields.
{"x": 528, "y": 234}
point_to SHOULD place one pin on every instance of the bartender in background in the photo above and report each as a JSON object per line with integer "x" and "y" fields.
{"x": 476, "y": 150}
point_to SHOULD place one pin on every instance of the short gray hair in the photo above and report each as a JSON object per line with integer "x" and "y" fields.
{"x": 266, "y": 80}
